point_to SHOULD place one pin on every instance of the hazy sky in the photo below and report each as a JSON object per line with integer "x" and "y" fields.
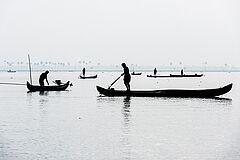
{"x": 109, "y": 31}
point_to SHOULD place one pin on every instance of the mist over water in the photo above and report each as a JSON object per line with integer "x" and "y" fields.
{"x": 80, "y": 124}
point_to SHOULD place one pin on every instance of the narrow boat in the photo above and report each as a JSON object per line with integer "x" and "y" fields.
{"x": 186, "y": 75}
{"x": 175, "y": 76}
{"x": 87, "y": 77}
{"x": 155, "y": 76}
{"x": 134, "y": 73}
{"x": 11, "y": 71}
{"x": 193, "y": 93}
{"x": 33, "y": 88}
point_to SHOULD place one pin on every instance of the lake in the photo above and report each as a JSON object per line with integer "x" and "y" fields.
{"x": 79, "y": 124}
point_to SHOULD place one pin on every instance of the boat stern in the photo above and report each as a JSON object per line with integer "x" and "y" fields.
{"x": 100, "y": 89}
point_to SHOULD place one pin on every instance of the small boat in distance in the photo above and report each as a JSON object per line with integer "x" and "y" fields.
{"x": 183, "y": 93}
{"x": 175, "y": 76}
{"x": 186, "y": 75}
{"x": 33, "y": 88}
{"x": 11, "y": 71}
{"x": 87, "y": 77}
{"x": 134, "y": 73}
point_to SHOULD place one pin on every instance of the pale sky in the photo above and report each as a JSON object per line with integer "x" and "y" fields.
{"x": 145, "y": 32}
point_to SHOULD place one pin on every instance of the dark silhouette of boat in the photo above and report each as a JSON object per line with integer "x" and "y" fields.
{"x": 184, "y": 93}
{"x": 33, "y": 88}
{"x": 134, "y": 73}
{"x": 87, "y": 77}
{"x": 175, "y": 76}
{"x": 11, "y": 71}
{"x": 186, "y": 75}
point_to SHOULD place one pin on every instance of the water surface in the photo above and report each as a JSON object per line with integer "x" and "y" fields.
{"x": 80, "y": 124}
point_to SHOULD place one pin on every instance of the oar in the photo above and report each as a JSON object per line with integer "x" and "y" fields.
{"x": 13, "y": 83}
{"x": 115, "y": 81}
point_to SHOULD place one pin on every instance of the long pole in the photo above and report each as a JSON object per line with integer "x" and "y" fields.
{"x": 30, "y": 70}
{"x": 115, "y": 81}
{"x": 13, "y": 83}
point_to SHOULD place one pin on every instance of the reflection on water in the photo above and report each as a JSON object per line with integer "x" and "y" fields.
{"x": 43, "y": 93}
{"x": 126, "y": 110}
{"x": 42, "y": 100}
{"x": 123, "y": 104}
{"x": 125, "y": 139}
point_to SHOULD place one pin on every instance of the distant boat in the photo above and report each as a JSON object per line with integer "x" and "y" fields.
{"x": 88, "y": 77}
{"x": 175, "y": 75}
{"x": 184, "y": 93}
{"x": 11, "y": 71}
{"x": 34, "y": 88}
{"x": 186, "y": 75}
{"x": 134, "y": 73}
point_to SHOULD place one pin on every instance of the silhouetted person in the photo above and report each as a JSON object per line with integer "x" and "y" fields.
{"x": 155, "y": 71}
{"x": 83, "y": 72}
{"x": 127, "y": 76}
{"x": 182, "y": 72}
{"x": 43, "y": 77}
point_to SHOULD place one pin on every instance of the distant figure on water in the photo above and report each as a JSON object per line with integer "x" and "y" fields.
{"x": 43, "y": 77}
{"x": 181, "y": 72}
{"x": 155, "y": 71}
{"x": 83, "y": 72}
{"x": 127, "y": 76}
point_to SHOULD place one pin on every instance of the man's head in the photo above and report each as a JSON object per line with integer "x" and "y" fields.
{"x": 46, "y": 71}
{"x": 123, "y": 65}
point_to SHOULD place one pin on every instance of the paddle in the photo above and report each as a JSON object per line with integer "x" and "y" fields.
{"x": 115, "y": 81}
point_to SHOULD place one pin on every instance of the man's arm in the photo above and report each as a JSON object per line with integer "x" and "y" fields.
{"x": 47, "y": 81}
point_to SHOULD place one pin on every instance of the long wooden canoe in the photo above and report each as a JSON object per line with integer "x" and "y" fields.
{"x": 195, "y": 93}
{"x": 34, "y": 88}
{"x": 175, "y": 76}
{"x": 87, "y": 77}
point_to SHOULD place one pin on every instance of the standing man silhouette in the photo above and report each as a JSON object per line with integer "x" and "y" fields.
{"x": 83, "y": 72}
{"x": 127, "y": 76}
{"x": 181, "y": 72}
{"x": 155, "y": 71}
{"x": 42, "y": 77}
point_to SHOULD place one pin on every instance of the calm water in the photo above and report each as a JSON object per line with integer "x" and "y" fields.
{"x": 79, "y": 124}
